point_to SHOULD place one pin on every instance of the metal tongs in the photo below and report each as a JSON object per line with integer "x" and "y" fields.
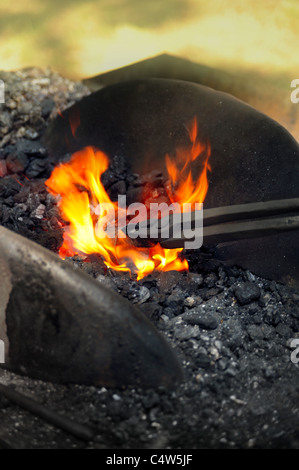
{"x": 225, "y": 224}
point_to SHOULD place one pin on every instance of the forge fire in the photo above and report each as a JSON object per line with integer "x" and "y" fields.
{"x": 204, "y": 357}
{"x": 85, "y": 205}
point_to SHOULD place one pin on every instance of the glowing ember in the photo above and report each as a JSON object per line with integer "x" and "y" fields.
{"x": 85, "y": 205}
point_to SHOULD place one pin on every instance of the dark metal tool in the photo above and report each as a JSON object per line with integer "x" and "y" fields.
{"x": 222, "y": 224}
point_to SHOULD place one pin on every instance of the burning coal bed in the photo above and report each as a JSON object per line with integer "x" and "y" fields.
{"x": 231, "y": 330}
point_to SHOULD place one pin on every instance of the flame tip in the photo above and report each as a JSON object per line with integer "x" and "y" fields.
{"x": 78, "y": 187}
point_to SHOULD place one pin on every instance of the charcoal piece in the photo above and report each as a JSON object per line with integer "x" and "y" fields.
{"x": 107, "y": 282}
{"x": 272, "y": 316}
{"x": 222, "y": 363}
{"x": 269, "y": 332}
{"x": 167, "y": 281}
{"x": 232, "y": 369}
{"x": 141, "y": 296}
{"x": 108, "y": 178}
{"x": 3, "y": 168}
{"x": 247, "y": 292}
{"x": 152, "y": 310}
{"x": 194, "y": 279}
{"x": 210, "y": 280}
{"x": 5, "y": 214}
{"x": 203, "y": 361}
{"x": 38, "y": 126}
{"x": 63, "y": 326}
{"x": 53, "y": 213}
{"x": 284, "y": 331}
{"x": 206, "y": 294}
{"x": 236, "y": 340}
{"x": 255, "y": 332}
{"x": 20, "y": 210}
{"x": 47, "y": 105}
{"x": 176, "y": 298}
{"x": 31, "y": 134}
{"x": 134, "y": 194}
{"x": 119, "y": 165}
{"x": 184, "y": 333}
{"x": 294, "y": 311}
{"x": 9, "y": 186}
{"x": 17, "y": 162}
{"x": 117, "y": 189}
{"x": 9, "y": 201}
{"x": 36, "y": 168}
{"x": 4, "y": 152}
{"x": 257, "y": 318}
{"x": 32, "y": 148}
{"x": 191, "y": 301}
{"x": 150, "y": 281}
{"x": 6, "y": 120}
{"x": 196, "y": 317}
{"x": 33, "y": 199}
{"x": 39, "y": 212}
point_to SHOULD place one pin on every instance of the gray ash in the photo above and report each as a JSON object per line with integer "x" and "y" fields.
{"x": 230, "y": 329}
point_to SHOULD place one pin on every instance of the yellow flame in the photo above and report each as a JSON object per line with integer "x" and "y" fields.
{"x": 79, "y": 187}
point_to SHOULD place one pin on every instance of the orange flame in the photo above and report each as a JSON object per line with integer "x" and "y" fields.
{"x": 80, "y": 190}
{"x": 183, "y": 188}
{"x": 74, "y": 121}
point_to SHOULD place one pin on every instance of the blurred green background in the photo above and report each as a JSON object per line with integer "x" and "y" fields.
{"x": 254, "y": 40}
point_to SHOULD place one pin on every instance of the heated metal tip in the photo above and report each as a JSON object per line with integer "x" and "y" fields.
{"x": 64, "y": 327}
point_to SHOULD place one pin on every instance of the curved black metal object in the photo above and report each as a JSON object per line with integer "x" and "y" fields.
{"x": 253, "y": 157}
{"x": 62, "y": 326}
